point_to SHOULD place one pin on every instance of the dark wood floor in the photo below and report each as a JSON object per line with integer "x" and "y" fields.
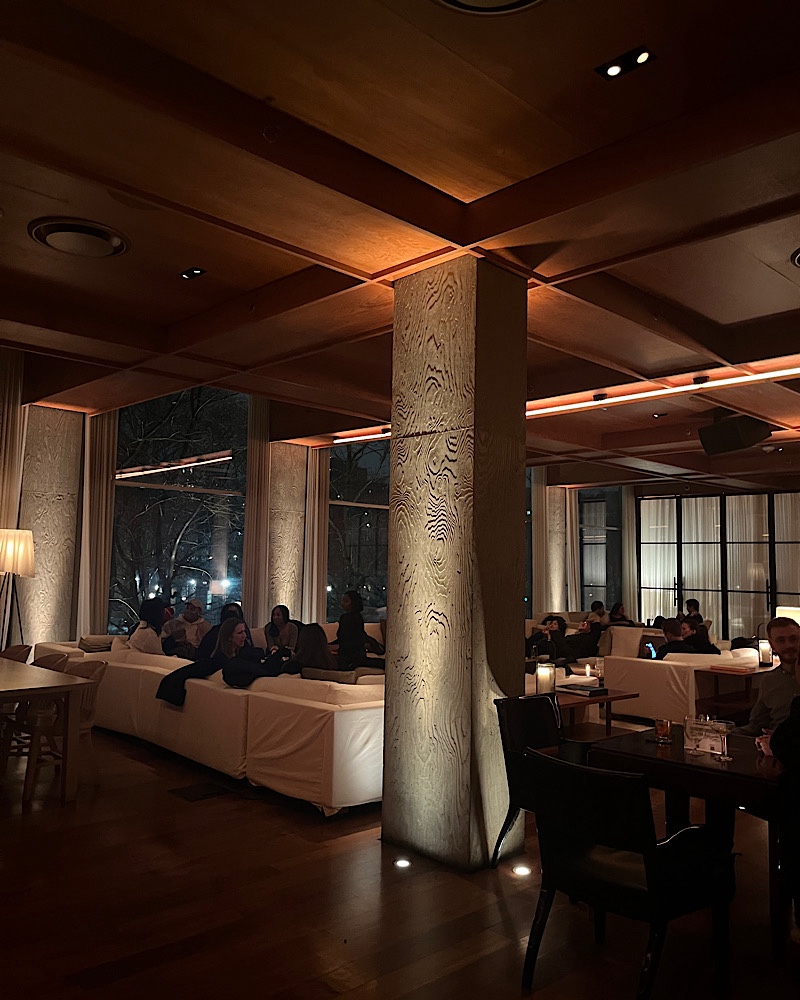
{"x": 136, "y": 892}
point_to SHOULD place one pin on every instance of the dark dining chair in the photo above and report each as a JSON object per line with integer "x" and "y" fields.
{"x": 528, "y": 721}
{"x": 597, "y": 845}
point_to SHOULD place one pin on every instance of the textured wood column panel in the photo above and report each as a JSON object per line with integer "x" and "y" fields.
{"x": 51, "y": 484}
{"x": 456, "y": 549}
{"x": 287, "y": 525}
{"x": 557, "y": 548}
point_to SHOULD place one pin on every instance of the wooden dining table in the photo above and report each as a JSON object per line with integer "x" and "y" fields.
{"x": 21, "y": 681}
{"x": 749, "y": 781}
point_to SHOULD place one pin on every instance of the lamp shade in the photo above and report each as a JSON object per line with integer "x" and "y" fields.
{"x": 16, "y": 552}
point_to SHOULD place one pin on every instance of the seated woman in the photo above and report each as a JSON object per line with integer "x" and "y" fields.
{"x": 540, "y": 641}
{"x": 351, "y": 640}
{"x": 281, "y": 632}
{"x": 617, "y": 615}
{"x": 209, "y": 641}
{"x": 579, "y": 646}
{"x": 697, "y": 637}
{"x": 312, "y": 651}
{"x": 146, "y": 636}
{"x": 231, "y": 649}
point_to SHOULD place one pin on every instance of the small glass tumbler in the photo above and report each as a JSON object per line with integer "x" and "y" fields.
{"x": 663, "y": 730}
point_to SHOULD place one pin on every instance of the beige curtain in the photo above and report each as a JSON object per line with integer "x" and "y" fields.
{"x": 97, "y": 524}
{"x": 630, "y": 569}
{"x": 255, "y": 599}
{"x": 541, "y": 598}
{"x": 13, "y": 426}
{"x": 573, "y": 547}
{"x": 315, "y": 568}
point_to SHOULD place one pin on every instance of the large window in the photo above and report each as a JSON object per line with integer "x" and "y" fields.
{"x": 600, "y": 517}
{"x": 737, "y": 555}
{"x": 358, "y": 526}
{"x": 179, "y": 503}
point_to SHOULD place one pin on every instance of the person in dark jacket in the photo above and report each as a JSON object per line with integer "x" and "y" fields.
{"x": 673, "y": 643}
{"x": 581, "y": 645}
{"x": 784, "y": 744}
{"x": 312, "y": 651}
{"x": 540, "y": 642}
{"x": 231, "y": 647}
{"x": 209, "y": 641}
{"x": 618, "y": 616}
{"x": 697, "y": 636}
{"x": 351, "y": 639}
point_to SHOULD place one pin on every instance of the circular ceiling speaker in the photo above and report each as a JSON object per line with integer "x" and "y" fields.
{"x": 488, "y": 6}
{"x": 78, "y": 237}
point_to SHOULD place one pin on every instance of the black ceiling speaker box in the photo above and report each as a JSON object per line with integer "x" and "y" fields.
{"x": 732, "y": 434}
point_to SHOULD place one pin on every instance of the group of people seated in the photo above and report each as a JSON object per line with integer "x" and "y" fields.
{"x": 228, "y": 646}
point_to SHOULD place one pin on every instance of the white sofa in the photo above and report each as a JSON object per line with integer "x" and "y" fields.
{"x": 669, "y": 688}
{"x": 316, "y": 740}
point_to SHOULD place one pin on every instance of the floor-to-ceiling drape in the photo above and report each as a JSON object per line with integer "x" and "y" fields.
{"x": 315, "y": 567}
{"x": 13, "y": 423}
{"x": 97, "y": 523}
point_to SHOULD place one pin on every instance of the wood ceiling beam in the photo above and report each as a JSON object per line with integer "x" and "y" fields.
{"x": 291, "y": 292}
{"x": 763, "y": 114}
{"x": 679, "y": 326}
{"x": 92, "y": 50}
{"x": 726, "y": 225}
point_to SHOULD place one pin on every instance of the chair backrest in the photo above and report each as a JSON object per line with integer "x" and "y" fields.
{"x": 579, "y": 807}
{"x": 94, "y": 671}
{"x": 52, "y": 661}
{"x": 530, "y": 721}
{"x": 18, "y": 653}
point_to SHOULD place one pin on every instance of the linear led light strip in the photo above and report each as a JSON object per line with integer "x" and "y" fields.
{"x": 172, "y": 468}
{"x": 675, "y": 390}
{"x": 377, "y": 436}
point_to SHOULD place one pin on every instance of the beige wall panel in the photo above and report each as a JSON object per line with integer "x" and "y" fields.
{"x": 456, "y": 537}
{"x": 50, "y": 508}
{"x": 287, "y": 525}
{"x": 556, "y": 566}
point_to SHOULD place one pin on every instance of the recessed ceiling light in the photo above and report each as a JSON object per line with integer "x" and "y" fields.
{"x": 625, "y": 63}
{"x": 488, "y": 6}
{"x": 192, "y": 272}
{"x": 795, "y": 257}
{"x": 402, "y": 863}
{"x": 521, "y": 870}
{"x": 78, "y": 237}
{"x": 657, "y": 415}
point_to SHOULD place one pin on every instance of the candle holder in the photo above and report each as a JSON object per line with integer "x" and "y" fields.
{"x": 545, "y": 678}
{"x": 764, "y": 652}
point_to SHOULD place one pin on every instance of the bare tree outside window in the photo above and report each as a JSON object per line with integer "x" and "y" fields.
{"x": 179, "y": 505}
{"x": 358, "y": 526}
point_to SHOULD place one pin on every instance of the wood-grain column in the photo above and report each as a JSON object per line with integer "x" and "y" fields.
{"x": 287, "y": 525}
{"x": 456, "y": 550}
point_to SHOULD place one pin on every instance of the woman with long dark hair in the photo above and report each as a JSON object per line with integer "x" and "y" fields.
{"x": 146, "y": 636}
{"x": 281, "y": 633}
{"x": 351, "y": 639}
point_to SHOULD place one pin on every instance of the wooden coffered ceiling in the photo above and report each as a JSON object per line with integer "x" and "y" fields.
{"x": 307, "y": 154}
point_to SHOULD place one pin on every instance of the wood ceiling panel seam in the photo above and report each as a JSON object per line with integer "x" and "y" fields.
{"x": 93, "y": 49}
{"x": 771, "y": 111}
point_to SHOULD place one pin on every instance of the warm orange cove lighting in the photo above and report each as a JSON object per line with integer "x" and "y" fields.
{"x": 376, "y": 436}
{"x": 533, "y": 409}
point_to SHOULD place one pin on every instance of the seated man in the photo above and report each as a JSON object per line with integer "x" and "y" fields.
{"x": 598, "y": 613}
{"x": 778, "y": 688}
{"x": 189, "y": 627}
{"x": 673, "y": 642}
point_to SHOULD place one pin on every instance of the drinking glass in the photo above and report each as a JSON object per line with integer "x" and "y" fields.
{"x": 694, "y": 732}
{"x": 663, "y": 731}
{"x": 722, "y": 728}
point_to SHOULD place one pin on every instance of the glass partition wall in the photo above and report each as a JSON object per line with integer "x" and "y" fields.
{"x": 739, "y": 556}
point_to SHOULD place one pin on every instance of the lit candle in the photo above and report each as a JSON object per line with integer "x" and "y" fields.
{"x": 545, "y": 679}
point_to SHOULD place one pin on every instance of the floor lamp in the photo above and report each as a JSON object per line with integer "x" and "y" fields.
{"x": 16, "y": 559}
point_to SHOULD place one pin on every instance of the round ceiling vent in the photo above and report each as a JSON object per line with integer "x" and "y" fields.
{"x": 488, "y": 6}
{"x": 78, "y": 237}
